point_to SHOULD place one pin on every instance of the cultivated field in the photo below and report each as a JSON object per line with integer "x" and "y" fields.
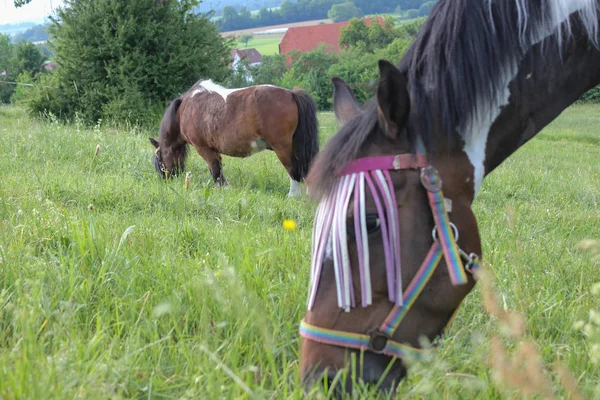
{"x": 266, "y": 28}
{"x": 266, "y": 46}
{"x": 115, "y": 284}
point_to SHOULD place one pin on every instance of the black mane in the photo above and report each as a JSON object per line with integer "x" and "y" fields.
{"x": 457, "y": 71}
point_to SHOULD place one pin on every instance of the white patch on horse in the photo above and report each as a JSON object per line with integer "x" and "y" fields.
{"x": 475, "y": 130}
{"x": 295, "y": 190}
{"x": 212, "y": 87}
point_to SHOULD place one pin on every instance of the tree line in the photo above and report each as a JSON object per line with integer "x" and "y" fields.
{"x": 305, "y": 10}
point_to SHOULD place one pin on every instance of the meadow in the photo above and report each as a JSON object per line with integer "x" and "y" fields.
{"x": 266, "y": 46}
{"x": 116, "y": 284}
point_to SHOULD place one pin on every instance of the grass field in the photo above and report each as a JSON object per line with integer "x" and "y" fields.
{"x": 115, "y": 284}
{"x": 266, "y": 46}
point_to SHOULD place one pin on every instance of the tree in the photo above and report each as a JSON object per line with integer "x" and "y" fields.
{"x": 425, "y": 8}
{"x": 310, "y": 71}
{"x": 343, "y": 12}
{"x": 16, "y": 59}
{"x": 28, "y": 58}
{"x": 124, "y": 59}
{"x": 245, "y": 38}
{"x": 372, "y": 37}
{"x": 270, "y": 70}
{"x": 411, "y": 14}
{"x": 6, "y": 51}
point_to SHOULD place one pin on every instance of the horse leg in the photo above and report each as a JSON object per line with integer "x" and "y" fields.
{"x": 284, "y": 155}
{"x": 215, "y": 164}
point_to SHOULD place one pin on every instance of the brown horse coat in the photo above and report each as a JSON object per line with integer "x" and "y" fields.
{"x": 239, "y": 123}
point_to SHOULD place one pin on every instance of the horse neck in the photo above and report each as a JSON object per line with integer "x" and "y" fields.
{"x": 548, "y": 82}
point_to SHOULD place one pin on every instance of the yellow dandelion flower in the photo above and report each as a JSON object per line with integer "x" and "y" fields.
{"x": 218, "y": 274}
{"x": 289, "y": 224}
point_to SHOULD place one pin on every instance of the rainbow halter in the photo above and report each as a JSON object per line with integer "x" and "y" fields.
{"x": 330, "y": 240}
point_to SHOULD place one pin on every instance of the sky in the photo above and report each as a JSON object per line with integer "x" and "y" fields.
{"x": 34, "y": 11}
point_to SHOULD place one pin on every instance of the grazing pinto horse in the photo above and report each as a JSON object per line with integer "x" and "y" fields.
{"x": 395, "y": 239}
{"x": 239, "y": 123}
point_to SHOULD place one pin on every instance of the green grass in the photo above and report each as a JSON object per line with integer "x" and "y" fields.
{"x": 265, "y": 46}
{"x": 115, "y": 284}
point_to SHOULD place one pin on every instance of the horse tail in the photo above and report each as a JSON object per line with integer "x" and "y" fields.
{"x": 305, "y": 142}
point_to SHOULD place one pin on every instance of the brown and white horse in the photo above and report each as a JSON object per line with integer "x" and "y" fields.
{"x": 239, "y": 123}
{"x": 395, "y": 236}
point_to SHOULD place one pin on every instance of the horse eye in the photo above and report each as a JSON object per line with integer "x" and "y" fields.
{"x": 372, "y": 222}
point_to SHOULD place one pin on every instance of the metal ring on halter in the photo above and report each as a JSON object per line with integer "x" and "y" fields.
{"x": 454, "y": 228}
{"x": 469, "y": 259}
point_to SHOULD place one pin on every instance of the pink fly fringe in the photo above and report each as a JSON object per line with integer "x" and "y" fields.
{"x": 330, "y": 239}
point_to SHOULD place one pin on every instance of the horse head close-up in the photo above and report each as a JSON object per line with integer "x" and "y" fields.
{"x": 395, "y": 239}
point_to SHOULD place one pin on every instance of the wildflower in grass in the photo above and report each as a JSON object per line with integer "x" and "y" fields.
{"x": 289, "y": 224}
{"x": 218, "y": 274}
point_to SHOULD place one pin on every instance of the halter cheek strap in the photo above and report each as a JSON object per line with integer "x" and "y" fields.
{"x": 378, "y": 340}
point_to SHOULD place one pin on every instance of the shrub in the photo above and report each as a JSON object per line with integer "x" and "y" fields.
{"x": 120, "y": 59}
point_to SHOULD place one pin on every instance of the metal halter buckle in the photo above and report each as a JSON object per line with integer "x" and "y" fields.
{"x": 454, "y": 230}
{"x": 430, "y": 179}
{"x": 378, "y": 341}
{"x": 469, "y": 259}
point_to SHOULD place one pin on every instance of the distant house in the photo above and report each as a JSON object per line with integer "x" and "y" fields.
{"x": 308, "y": 38}
{"x": 243, "y": 59}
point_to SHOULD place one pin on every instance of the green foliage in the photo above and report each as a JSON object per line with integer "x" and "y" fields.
{"x": 270, "y": 71}
{"x": 410, "y": 14}
{"x": 310, "y": 72}
{"x": 372, "y": 37}
{"x": 24, "y": 79}
{"x": 16, "y": 59}
{"x": 124, "y": 59}
{"x": 591, "y": 96}
{"x": 343, "y": 12}
{"x": 28, "y": 58}
{"x": 426, "y": 8}
{"x": 245, "y": 38}
{"x": 358, "y": 66}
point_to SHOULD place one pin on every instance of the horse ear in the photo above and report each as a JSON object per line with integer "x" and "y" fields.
{"x": 154, "y": 143}
{"x": 393, "y": 103}
{"x": 344, "y": 104}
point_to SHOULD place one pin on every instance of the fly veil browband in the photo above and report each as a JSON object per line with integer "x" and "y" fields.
{"x": 329, "y": 239}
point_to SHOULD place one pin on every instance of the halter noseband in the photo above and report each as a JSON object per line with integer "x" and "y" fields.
{"x": 445, "y": 235}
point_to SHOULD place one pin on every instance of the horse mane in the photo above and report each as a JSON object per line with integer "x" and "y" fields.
{"x": 458, "y": 70}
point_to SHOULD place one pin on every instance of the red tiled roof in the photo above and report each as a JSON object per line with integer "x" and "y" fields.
{"x": 307, "y": 38}
{"x": 251, "y": 55}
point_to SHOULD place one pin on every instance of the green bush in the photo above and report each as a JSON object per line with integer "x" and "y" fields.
{"x": 591, "y": 96}
{"x": 124, "y": 59}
